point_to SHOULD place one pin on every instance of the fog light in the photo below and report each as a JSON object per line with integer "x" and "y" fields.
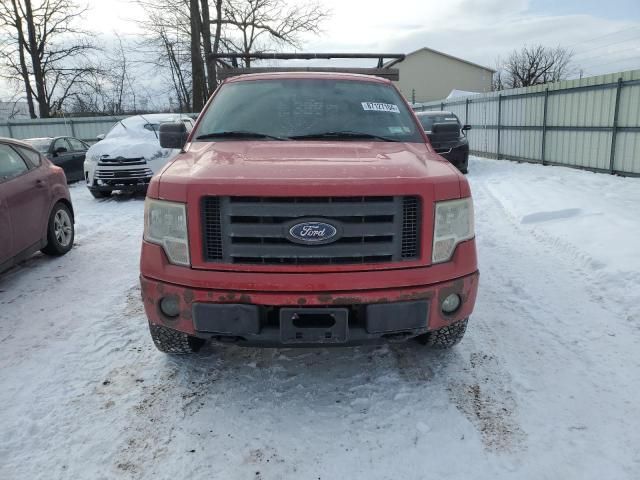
{"x": 451, "y": 303}
{"x": 170, "y": 306}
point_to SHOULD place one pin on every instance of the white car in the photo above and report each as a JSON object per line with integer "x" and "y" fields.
{"x": 129, "y": 154}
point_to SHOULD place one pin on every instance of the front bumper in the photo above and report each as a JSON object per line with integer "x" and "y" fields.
{"x": 106, "y": 178}
{"x": 272, "y": 318}
{"x": 130, "y": 187}
{"x": 459, "y": 158}
{"x": 456, "y": 153}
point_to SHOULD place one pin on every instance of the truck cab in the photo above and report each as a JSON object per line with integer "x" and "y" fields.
{"x": 306, "y": 209}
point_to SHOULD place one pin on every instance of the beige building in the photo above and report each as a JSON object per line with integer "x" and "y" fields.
{"x": 427, "y": 75}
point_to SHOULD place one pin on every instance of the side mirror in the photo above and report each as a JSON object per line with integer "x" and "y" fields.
{"x": 173, "y": 135}
{"x": 100, "y": 137}
{"x": 466, "y": 127}
{"x": 59, "y": 150}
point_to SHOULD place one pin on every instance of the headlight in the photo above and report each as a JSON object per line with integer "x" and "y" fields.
{"x": 165, "y": 224}
{"x": 453, "y": 224}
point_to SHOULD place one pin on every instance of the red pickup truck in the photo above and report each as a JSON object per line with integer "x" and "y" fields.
{"x": 306, "y": 209}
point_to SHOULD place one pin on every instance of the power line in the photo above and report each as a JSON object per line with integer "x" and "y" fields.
{"x": 613, "y": 51}
{"x": 607, "y": 45}
{"x": 610, "y": 54}
{"x": 603, "y": 36}
{"x": 620, "y": 60}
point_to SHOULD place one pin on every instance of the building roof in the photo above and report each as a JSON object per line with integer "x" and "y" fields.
{"x": 394, "y": 62}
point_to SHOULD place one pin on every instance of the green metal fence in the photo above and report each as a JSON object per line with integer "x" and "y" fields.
{"x": 84, "y": 128}
{"x": 591, "y": 123}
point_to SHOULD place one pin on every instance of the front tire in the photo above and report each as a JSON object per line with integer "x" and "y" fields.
{"x": 60, "y": 231}
{"x": 445, "y": 337}
{"x": 174, "y": 342}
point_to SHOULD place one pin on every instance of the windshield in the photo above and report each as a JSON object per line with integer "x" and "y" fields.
{"x": 140, "y": 126}
{"x": 427, "y": 121}
{"x": 40, "y": 144}
{"x": 286, "y": 108}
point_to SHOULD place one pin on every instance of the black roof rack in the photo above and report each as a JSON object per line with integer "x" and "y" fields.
{"x": 234, "y": 70}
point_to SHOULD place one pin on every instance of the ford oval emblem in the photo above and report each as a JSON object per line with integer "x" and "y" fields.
{"x": 313, "y": 232}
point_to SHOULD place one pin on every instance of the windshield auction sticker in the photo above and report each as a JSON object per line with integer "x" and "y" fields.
{"x": 380, "y": 107}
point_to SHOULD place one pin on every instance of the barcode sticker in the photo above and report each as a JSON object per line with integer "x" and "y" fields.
{"x": 380, "y": 107}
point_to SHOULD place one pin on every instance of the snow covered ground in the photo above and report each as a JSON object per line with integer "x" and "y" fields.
{"x": 544, "y": 386}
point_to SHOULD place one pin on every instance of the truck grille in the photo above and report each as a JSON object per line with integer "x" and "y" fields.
{"x": 253, "y": 230}
{"x": 124, "y": 174}
{"x": 410, "y": 227}
{"x": 121, "y": 161}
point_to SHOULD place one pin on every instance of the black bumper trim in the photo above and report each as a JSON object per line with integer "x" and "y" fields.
{"x": 271, "y": 326}
{"x": 391, "y": 317}
{"x": 226, "y": 319}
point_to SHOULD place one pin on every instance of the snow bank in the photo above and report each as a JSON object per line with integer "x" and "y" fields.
{"x": 544, "y": 385}
{"x": 461, "y": 93}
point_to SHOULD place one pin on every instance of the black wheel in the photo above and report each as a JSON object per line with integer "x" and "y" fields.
{"x": 100, "y": 193}
{"x": 60, "y": 231}
{"x": 445, "y": 337}
{"x": 168, "y": 340}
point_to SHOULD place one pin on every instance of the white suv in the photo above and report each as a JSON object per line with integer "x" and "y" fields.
{"x": 129, "y": 154}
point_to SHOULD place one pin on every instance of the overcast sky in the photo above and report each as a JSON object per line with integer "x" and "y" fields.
{"x": 605, "y": 35}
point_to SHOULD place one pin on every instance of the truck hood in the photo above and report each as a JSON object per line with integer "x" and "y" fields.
{"x": 310, "y": 161}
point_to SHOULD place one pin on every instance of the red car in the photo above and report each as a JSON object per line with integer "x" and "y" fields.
{"x": 35, "y": 205}
{"x": 305, "y": 209}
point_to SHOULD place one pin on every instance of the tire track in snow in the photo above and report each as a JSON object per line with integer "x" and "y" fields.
{"x": 533, "y": 391}
{"x": 554, "y": 334}
{"x": 476, "y": 383}
{"x": 586, "y": 269}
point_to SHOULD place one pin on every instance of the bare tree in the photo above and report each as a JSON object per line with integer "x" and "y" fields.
{"x": 197, "y": 62}
{"x": 13, "y": 107}
{"x": 263, "y": 23}
{"x": 166, "y": 49}
{"x": 185, "y": 25}
{"x": 177, "y": 26}
{"x": 497, "y": 81}
{"x": 44, "y": 48}
{"x": 9, "y": 48}
{"x": 174, "y": 57}
{"x": 121, "y": 77}
{"x": 209, "y": 48}
{"x": 110, "y": 89}
{"x": 169, "y": 39}
{"x": 533, "y": 66}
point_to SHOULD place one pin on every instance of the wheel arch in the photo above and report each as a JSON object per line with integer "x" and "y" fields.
{"x": 57, "y": 200}
{"x": 67, "y": 203}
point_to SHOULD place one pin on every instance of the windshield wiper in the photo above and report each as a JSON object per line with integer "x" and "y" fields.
{"x": 238, "y": 134}
{"x": 342, "y": 134}
{"x": 152, "y": 127}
